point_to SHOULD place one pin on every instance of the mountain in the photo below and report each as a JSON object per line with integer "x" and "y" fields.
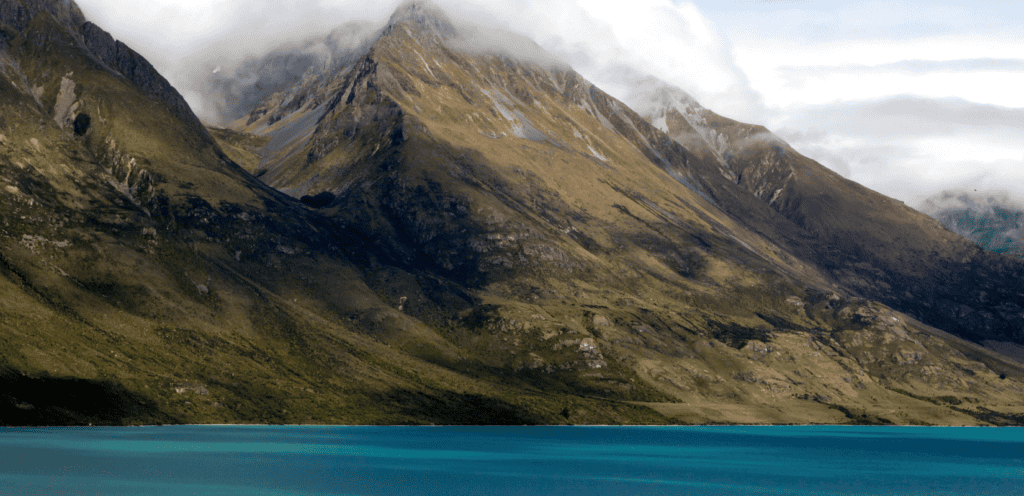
{"x": 419, "y": 225}
{"x": 147, "y": 278}
{"x": 868, "y": 244}
{"x": 993, "y": 221}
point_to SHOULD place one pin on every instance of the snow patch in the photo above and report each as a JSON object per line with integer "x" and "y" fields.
{"x": 425, "y": 65}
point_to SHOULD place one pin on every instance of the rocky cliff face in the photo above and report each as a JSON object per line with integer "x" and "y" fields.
{"x": 17, "y": 15}
{"x": 431, "y": 233}
{"x": 122, "y": 59}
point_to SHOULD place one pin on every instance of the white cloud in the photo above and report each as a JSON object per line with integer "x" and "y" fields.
{"x": 910, "y": 147}
{"x": 828, "y": 76}
{"x": 823, "y": 86}
{"x": 906, "y": 98}
{"x": 912, "y": 66}
{"x": 173, "y": 34}
{"x": 674, "y": 42}
{"x": 787, "y": 72}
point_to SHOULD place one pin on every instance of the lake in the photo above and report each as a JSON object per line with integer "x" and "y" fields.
{"x": 289, "y": 460}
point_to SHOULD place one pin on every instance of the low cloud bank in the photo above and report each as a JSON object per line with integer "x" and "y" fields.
{"x": 606, "y": 42}
{"x": 910, "y": 147}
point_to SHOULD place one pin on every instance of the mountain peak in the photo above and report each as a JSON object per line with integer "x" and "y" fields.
{"x": 425, "y": 15}
{"x": 654, "y": 98}
{"x": 19, "y": 13}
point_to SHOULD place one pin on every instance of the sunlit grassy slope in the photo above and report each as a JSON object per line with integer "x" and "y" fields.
{"x": 596, "y": 249}
{"x": 422, "y": 236}
{"x": 869, "y": 244}
{"x": 148, "y": 278}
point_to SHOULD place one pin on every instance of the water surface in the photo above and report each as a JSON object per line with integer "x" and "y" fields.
{"x": 264, "y": 460}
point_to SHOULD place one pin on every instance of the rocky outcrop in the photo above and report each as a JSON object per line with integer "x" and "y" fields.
{"x": 17, "y": 14}
{"x": 115, "y": 55}
{"x": 133, "y": 66}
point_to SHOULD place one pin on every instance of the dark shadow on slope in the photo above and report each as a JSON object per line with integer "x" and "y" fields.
{"x": 449, "y": 408}
{"x": 426, "y": 223}
{"x": 737, "y": 336}
{"x": 320, "y": 200}
{"x": 27, "y": 400}
{"x": 993, "y": 417}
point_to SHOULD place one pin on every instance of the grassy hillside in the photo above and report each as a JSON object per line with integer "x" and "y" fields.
{"x": 426, "y": 236}
{"x": 549, "y": 232}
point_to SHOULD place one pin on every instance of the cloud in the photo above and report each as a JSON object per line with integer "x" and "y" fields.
{"x": 982, "y": 66}
{"x": 812, "y": 23}
{"x": 607, "y": 42}
{"x": 976, "y": 201}
{"x": 816, "y": 85}
{"x": 223, "y": 89}
{"x": 677, "y": 43}
{"x": 187, "y": 40}
{"x": 480, "y": 36}
{"x": 910, "y": 115}
{"x": 912, "y": 67}
{"x": 909, "y": 147}
{"x": 905, "y": 98}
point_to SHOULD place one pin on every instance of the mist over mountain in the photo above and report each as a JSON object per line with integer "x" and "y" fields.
{"x": 993, "y": 221}
{"x": 230, "y": 92}
{"x": 398, "y": 223}
{"x": 794, "y": 68}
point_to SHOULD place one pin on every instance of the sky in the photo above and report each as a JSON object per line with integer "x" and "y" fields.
{"x": 907, "y": 98}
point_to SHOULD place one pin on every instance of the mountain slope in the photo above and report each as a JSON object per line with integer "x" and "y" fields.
{"x": 466, "y": 238}
{"x": 148, "y": 278}
{"x": 868, "y": 244}
{"x": 551, "y": 233}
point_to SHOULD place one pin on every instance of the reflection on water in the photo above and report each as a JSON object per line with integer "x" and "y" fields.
{"x": 230, "y": 460}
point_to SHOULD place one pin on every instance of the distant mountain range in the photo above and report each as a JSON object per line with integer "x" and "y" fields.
{"x": 994, "y": 222}
{"x": 411, "y": 224}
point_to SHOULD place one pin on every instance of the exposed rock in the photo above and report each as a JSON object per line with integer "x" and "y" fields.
{"x": 127, "y": 62}
{"x": 64, "y": 108}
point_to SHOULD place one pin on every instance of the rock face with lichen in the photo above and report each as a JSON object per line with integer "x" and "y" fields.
{"x": 415, "y": 229}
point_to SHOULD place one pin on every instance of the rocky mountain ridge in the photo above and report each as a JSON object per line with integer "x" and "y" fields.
{"x": 871, "y": 245}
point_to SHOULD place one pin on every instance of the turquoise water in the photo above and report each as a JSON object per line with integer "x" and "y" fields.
{"x": 262, "y": 460}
